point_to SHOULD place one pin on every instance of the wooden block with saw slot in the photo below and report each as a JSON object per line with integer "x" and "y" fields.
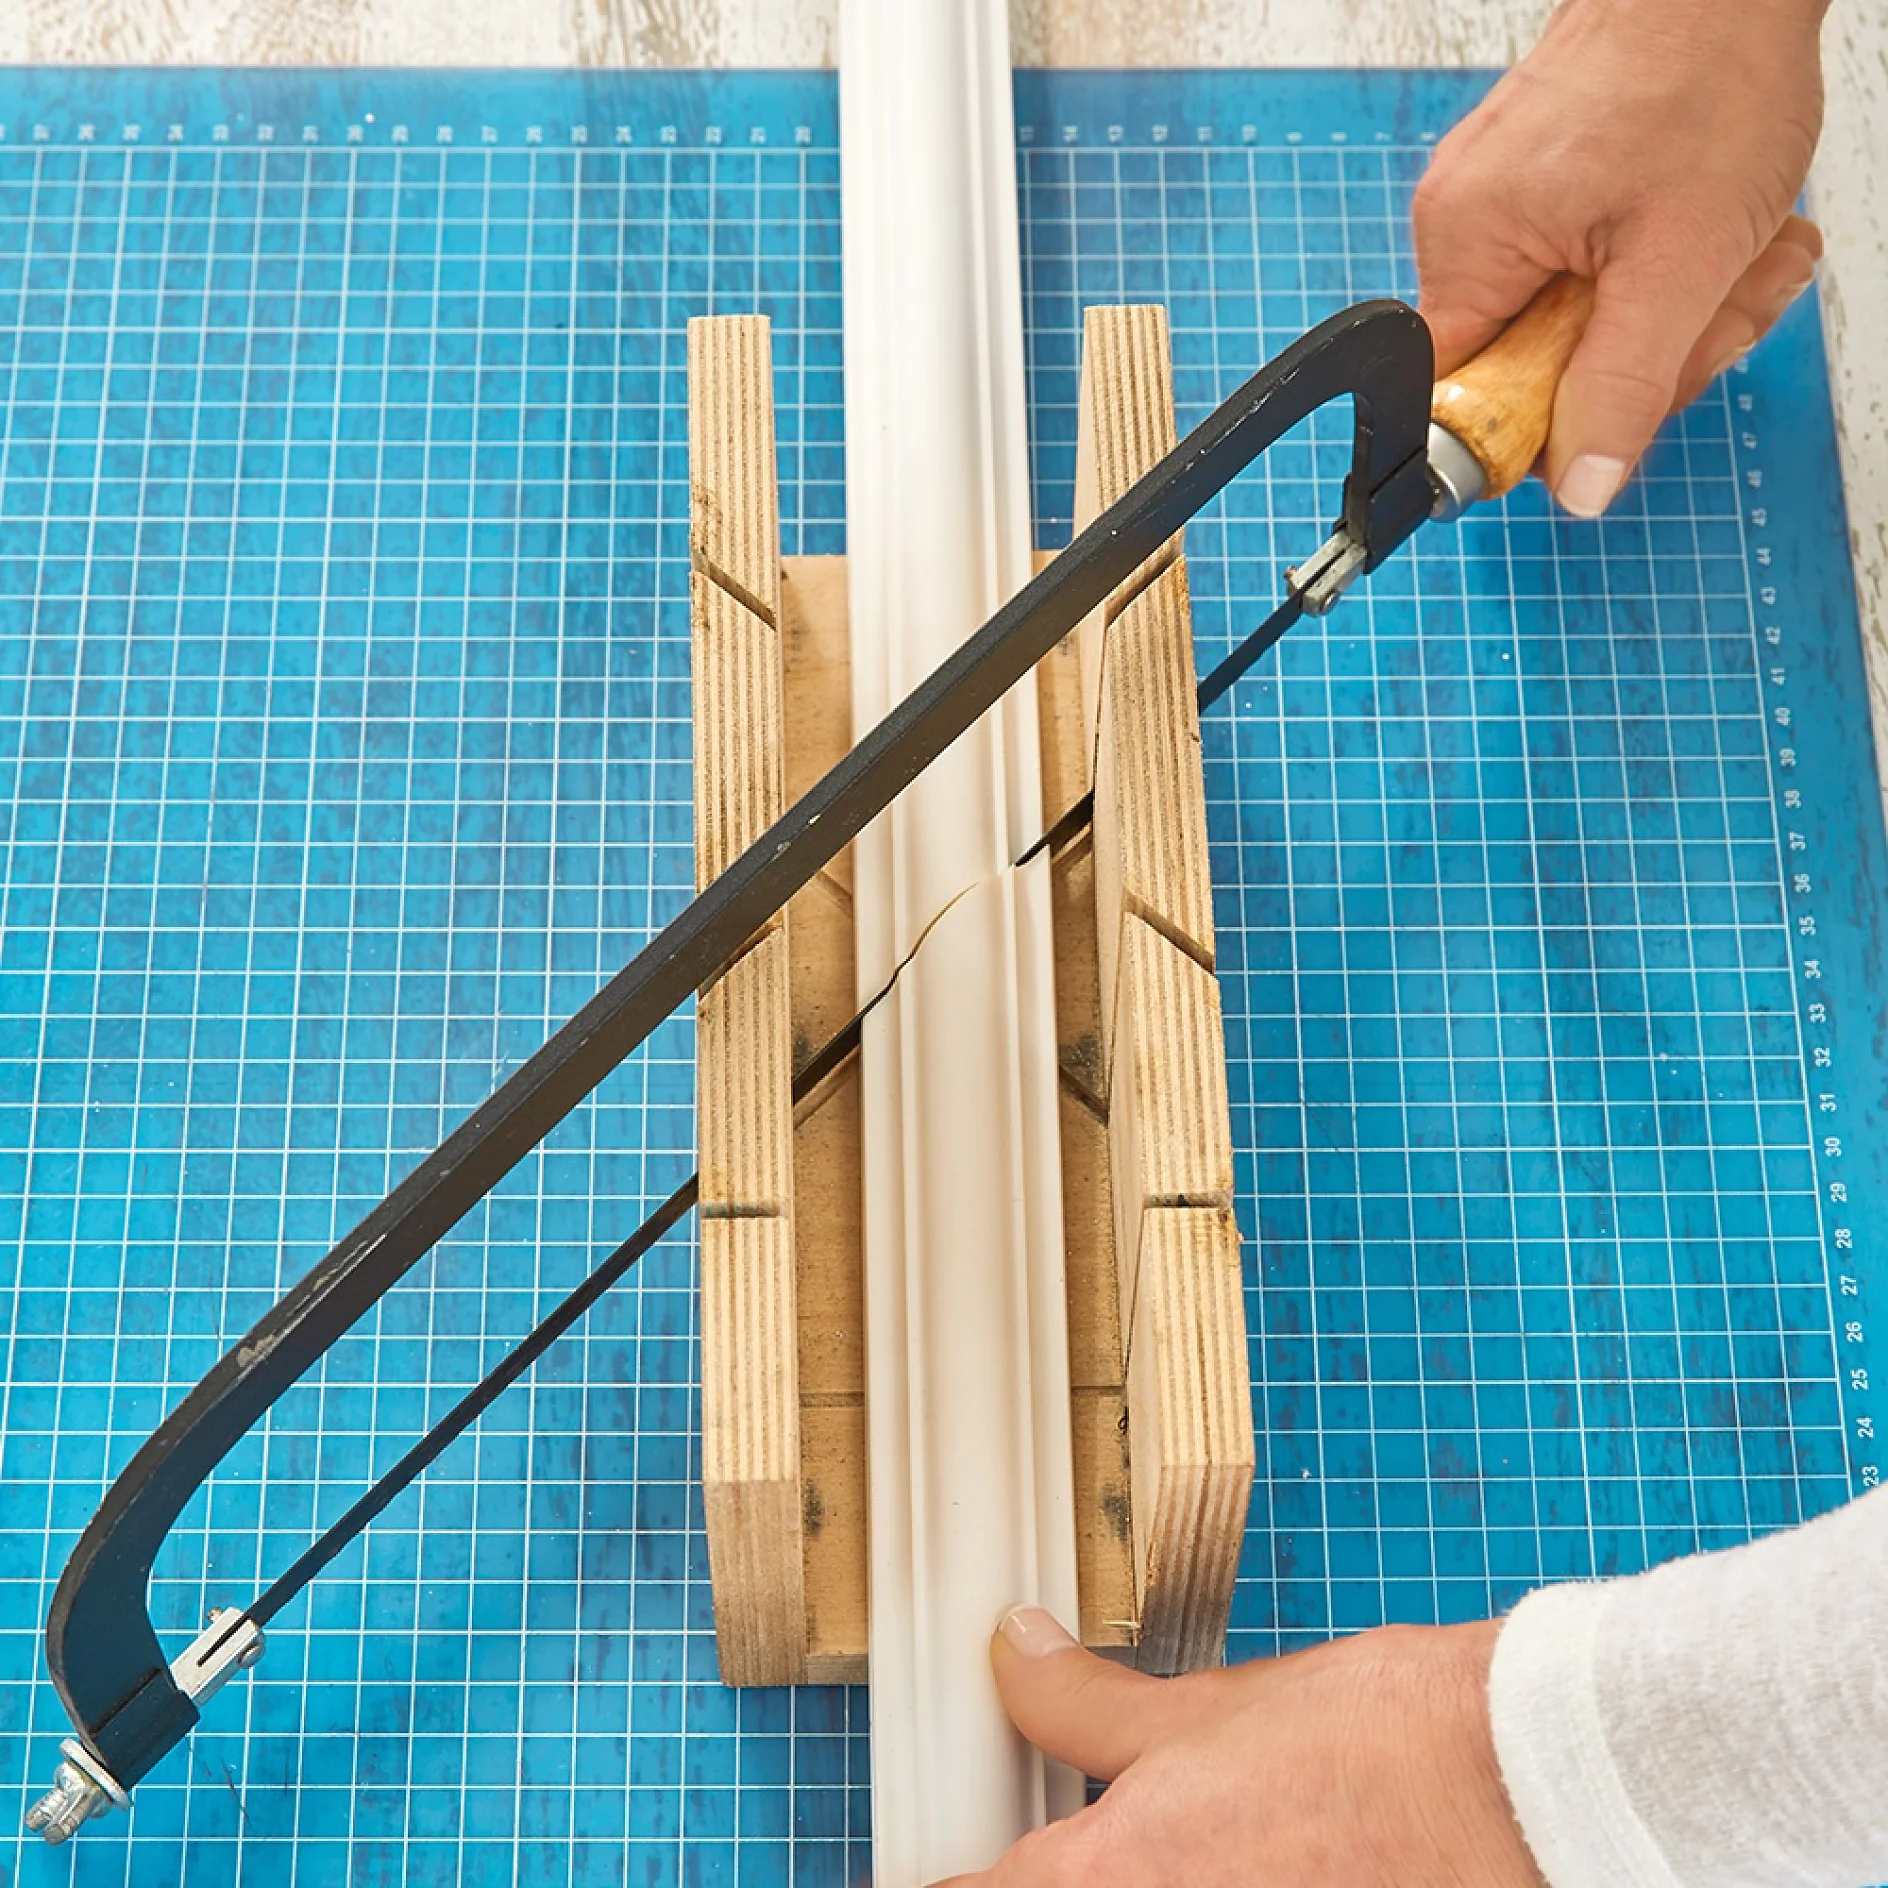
{"x": 1157, "y": 1059}
{"x": 782, "y": 1302}
{"x": 751, "y": 1447}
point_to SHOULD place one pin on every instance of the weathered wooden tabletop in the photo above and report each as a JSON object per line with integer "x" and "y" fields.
{"x": 1849, "y": 190}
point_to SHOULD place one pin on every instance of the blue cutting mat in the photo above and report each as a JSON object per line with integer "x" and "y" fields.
{"x": 344, "y": 748}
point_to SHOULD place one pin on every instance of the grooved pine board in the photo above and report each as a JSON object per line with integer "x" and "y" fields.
{"x": 344, "y": 738}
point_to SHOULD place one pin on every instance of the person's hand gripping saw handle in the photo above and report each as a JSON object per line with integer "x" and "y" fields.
{"x": 1657, "y": 149}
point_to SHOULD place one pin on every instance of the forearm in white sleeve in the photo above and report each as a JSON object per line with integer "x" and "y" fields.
{"x": 1716, "y": 1722}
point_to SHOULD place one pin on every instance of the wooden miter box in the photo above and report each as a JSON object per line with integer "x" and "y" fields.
{"x": 1160, "y": 1406}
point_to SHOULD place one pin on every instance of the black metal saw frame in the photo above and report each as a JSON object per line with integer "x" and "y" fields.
{"x": 127, "y": 1702}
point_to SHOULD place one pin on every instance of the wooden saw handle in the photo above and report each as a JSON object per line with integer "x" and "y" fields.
{"x": 1501, "y": 404}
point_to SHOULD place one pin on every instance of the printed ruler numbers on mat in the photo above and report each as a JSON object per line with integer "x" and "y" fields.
{"x": 1848, "y": 1202}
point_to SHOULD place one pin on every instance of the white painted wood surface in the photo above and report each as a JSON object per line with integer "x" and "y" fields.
{"x": 1849, "y": 191}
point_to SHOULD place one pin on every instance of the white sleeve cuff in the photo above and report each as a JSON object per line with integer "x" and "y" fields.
{"x": 1550, "y": 1740}
{"x": 1719, "y": 1722}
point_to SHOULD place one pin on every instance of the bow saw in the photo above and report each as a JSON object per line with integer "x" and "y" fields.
{"x": 129, "y": 1705}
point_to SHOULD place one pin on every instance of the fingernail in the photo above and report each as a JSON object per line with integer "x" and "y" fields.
{"x": 1590, "y": 484}
{"x": 1033, "y": 1633}
{"x": 1791, "y": 289}
{"x": 1730, "y": 359}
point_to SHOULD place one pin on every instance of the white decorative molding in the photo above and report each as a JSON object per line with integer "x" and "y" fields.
{"x": 967, "y": 1389}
